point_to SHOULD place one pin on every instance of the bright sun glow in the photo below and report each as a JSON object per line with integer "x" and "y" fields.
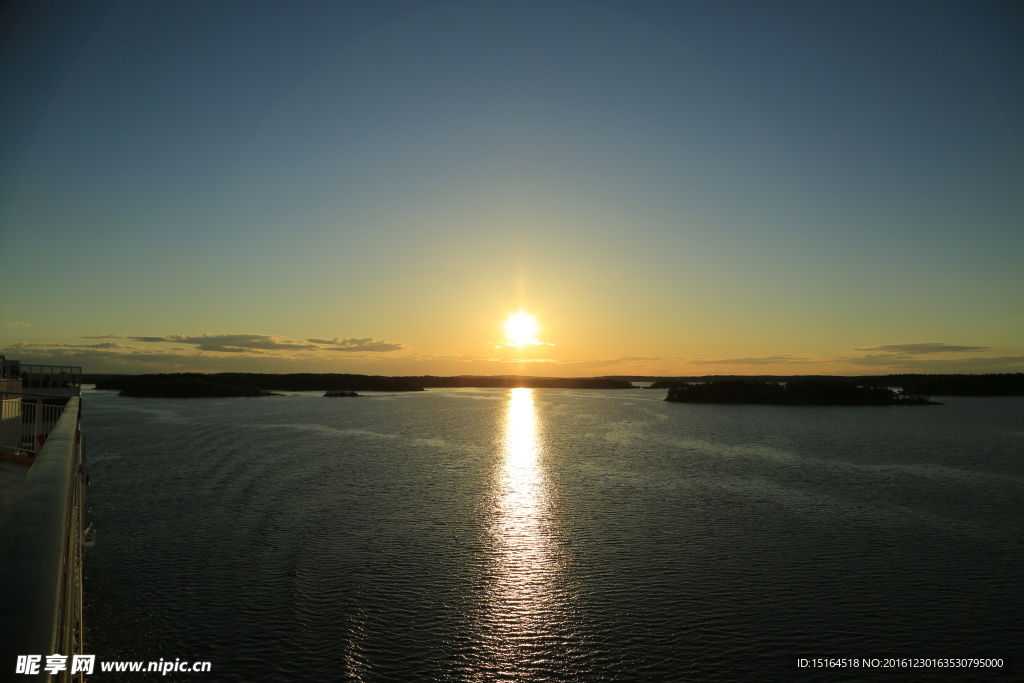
{"x": 521, "y": 329}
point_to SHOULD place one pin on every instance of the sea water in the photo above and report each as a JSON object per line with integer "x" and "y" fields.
{"x": 550, "y": 535}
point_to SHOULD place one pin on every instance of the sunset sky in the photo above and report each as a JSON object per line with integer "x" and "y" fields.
{"x": 669, "y": 188}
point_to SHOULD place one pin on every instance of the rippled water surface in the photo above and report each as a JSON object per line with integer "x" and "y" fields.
{"x": 549, "y": 535}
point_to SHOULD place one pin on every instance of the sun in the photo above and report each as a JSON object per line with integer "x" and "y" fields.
{"x": 521, "y": 329}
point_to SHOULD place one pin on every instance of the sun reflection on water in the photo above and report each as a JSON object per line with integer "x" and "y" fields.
{"x": 522, "y": 611}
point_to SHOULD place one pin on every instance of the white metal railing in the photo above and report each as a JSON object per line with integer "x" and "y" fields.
{"x": 42, "y": 539}
{"x": 26, "y": 419}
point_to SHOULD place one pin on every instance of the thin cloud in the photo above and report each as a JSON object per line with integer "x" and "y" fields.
{"x": 605, "y": 362}
{"x": 354, "y": 344}
{"x": 262, "y": 344}
{"x": 86, "y": 355}
{"x": 461, "y": 358}
{"x": 232, "y": 343}
{"x": 883, "y": 359}
{"x": 586, "y": 363}
{"x": 518, "y": 345}
{"x": 475, "y": 359}
{"x": 929, "y": 347}
{"x": 920, "y": 358}
{"x": 938, "y": 364}
{"x": 24, "y": 346}
{"x": 753, "y": 360}
{"x": 596, "y": 363}
{"x": 17, "y": 324}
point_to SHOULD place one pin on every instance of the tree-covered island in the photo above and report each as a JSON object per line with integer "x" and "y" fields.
{"x": 189, "y": 385}
{"x": 199, "y": 385}
{"x": 997, "y": 384}
{"x": 819, "y": 391}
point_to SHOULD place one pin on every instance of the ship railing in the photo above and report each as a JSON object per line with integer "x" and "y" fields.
{"x": 26, "y": 420}
{"x": 41, "y": 546}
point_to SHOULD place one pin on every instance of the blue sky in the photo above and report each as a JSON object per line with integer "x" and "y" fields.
{"x": 668, "y": 187}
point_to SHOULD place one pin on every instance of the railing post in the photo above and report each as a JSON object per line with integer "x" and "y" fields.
{"x": 36, "y": 447}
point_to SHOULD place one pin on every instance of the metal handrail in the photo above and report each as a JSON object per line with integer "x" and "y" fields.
{"x": 30, "y": 393}
{"x": 13, "y": 435}
{"x": 40, "y": 553}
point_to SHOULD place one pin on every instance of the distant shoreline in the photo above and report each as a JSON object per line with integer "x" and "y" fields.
{"x": 220, "y": 385}
{"x": 810, "y": 392}
{"x": 198, "y": 385}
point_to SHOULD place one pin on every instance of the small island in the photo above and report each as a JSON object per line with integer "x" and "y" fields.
{"x": 342, "y": 393}
{"x": 809, "y": 392}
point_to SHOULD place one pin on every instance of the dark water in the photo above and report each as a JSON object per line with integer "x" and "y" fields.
{"x": 551, "y": 535}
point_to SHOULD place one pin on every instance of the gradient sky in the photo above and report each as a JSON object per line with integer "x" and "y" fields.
{"x": 669, "y": 187}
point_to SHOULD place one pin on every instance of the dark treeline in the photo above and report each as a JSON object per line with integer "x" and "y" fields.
{"x": 256, "y": 384}
{"x": 668, "y": 382}
{"x": 1006, "y": 384}
{"x": 193, "y": 384}
{"x": 249, "y": 384}
{"x": 817, "y": 391}
{"x": 707, "y": 378}
{"x": 530, "y": 382}
{"x": 185, "y": 385}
